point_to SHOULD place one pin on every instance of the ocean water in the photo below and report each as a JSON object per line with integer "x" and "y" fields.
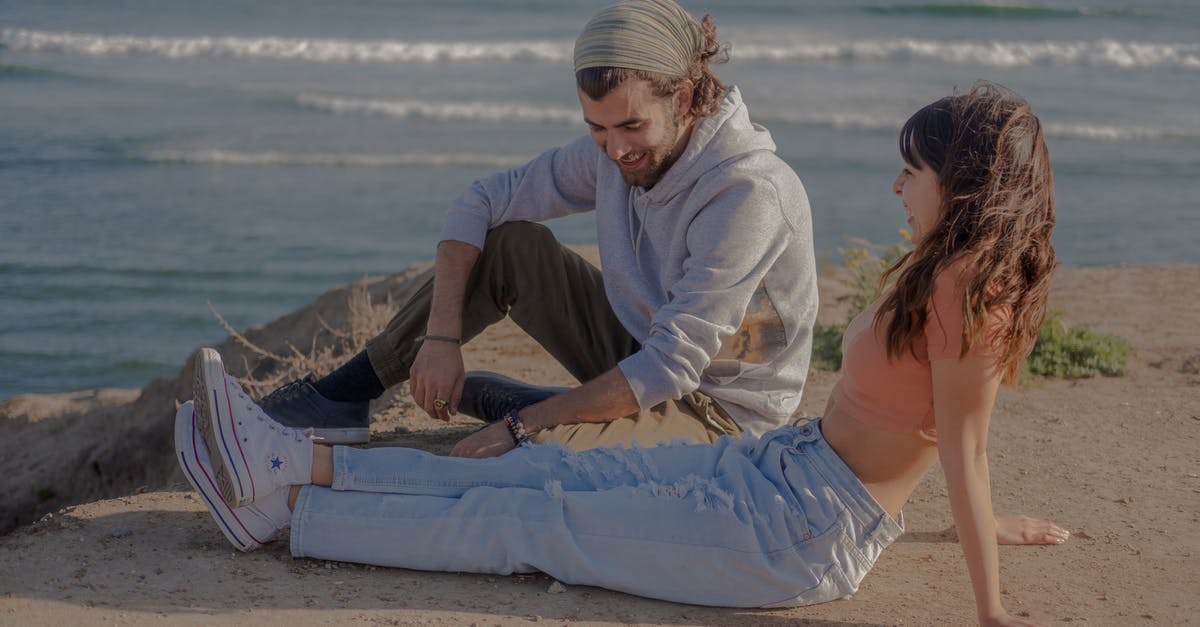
{"x": 159, "y": 155}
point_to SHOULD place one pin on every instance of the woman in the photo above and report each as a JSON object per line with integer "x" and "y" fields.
{"x": 795, "y": 517}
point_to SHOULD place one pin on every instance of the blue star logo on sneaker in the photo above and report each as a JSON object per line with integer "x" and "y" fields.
{"x": 278, "y": 463}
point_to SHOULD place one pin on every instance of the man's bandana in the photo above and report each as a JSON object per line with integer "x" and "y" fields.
{"x": 650, "y": 35}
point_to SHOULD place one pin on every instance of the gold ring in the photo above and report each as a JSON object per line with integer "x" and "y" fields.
{"x": 439, "y": 404}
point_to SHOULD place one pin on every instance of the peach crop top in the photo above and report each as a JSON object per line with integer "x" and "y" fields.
{"x": 898, "y": 395}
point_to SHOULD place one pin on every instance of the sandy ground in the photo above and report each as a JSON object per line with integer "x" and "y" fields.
{"x": 1112, "y": 459}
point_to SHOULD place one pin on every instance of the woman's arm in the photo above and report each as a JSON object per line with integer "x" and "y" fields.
{"x": 964, "y": 391}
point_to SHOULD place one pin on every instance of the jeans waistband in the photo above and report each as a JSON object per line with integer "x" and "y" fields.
{"x": 859, "y": 502}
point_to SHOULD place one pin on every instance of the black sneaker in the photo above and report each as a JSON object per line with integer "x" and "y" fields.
{"x": 489, "y": 396}
{"x": 300, "y": 406}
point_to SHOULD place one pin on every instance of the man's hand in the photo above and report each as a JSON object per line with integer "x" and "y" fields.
{"x": 436, "y": 375}
{"x": 489, "y": 441}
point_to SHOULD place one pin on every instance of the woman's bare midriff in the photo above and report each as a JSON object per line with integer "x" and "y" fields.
{"x": 889, "y": 464}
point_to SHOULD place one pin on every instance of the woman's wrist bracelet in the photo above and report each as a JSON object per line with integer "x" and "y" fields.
{"x": 516, "y": 428}
{"x": 440, "y": 338}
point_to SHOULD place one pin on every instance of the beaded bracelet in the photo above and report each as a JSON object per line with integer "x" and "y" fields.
{"x": 516, "y": 428}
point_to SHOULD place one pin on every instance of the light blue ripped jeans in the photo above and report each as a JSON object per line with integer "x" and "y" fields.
{"x": 759, "y": 522}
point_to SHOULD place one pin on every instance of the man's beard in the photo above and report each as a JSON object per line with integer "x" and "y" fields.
{"x": 658, "y": 160}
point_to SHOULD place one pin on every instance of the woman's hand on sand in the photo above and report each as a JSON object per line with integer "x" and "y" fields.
{"x": 1021, "y": 529}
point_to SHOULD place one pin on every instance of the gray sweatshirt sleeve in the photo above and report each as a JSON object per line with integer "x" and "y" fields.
{"x": 558, "y": 182}
{"x": 732, "y": 244}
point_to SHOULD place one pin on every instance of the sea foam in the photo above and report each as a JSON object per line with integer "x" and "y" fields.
{"x": 993, "y": 53}
{"x": 279, "y": 158}
{"x": 845, "y": 120}
{"x": 996, "y": 53}
{"x": 478, "y": 110}
{"x": 314, "y": 50}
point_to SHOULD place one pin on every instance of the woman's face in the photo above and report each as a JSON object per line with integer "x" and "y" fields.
{"x": 921, "y": 196}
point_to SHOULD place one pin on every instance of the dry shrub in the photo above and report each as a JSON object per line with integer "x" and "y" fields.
{"x": 330, "y": 348}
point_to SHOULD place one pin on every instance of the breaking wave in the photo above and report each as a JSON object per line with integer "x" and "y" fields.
{"x": 1001, "y": 10}
{"x": 483, "y": 111}
{"x": 996, "y": 53}
{"x": 1102, "y": 53}
{"x": 277, "y": 158}
{"x": 314, "y": 50}
{"x": 1095, "y": 132}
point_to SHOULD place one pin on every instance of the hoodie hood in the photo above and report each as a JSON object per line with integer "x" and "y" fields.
{"x": 715, "y": 139}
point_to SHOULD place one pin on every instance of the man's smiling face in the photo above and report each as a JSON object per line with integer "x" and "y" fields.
{"x": 641, "y": 132}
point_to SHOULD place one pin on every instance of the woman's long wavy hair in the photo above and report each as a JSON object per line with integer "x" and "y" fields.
{"x": 707, "y": 92}
{"x": 991, "y": 161}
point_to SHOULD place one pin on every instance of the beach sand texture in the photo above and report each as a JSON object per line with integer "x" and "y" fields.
{"x": 1112, "y": 459}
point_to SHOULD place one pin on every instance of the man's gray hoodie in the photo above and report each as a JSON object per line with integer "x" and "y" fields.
{"x": 712, "y": 269}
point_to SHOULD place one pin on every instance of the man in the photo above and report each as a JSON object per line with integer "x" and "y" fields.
{"x": 701, "y": 323}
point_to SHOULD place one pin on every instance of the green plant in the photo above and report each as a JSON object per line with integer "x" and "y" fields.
{"x": 865, "y": 263}
{"x": 1062, "y": 351}
{"x": 827, "y": 346}
{"x": 1075, "y": 351}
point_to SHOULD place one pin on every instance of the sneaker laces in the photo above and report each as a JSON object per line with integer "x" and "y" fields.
{"x": 296, "y": 434}
{"x": 287, "y": 390}
{"x": 496, "y": 403}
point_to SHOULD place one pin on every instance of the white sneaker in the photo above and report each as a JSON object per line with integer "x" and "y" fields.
{"x": 253, "y": 456}
{"x": 246, "y": 528}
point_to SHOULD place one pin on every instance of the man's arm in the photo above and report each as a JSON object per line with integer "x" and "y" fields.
{"x": 437, "y": 372}
{"x": 603, "y": 399}
{"x": 556, "y": 183}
